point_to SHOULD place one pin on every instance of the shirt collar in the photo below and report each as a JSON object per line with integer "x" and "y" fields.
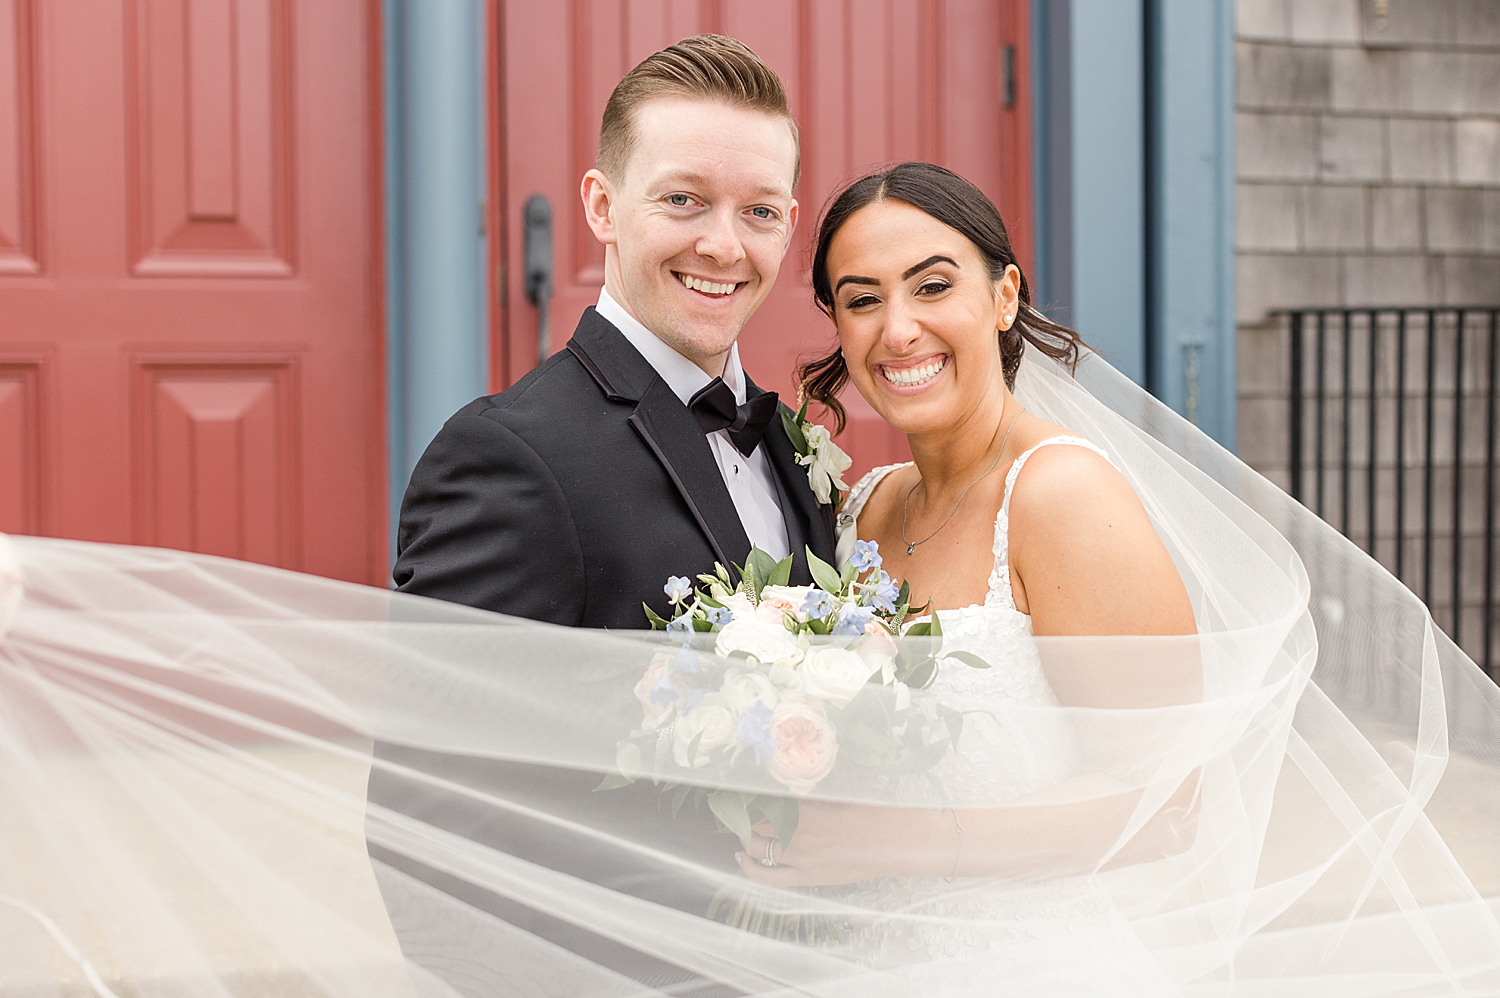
{"x": 681, "y": 375}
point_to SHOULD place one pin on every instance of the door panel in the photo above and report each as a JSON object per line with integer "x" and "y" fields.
{"x": 870, "y": 82}
{"x": 210, "y": 137}
{"x": 193, "y": 358}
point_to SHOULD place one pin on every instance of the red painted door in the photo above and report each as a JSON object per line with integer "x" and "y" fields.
{"x": 871, "y": 82}
{"x": 190, "y": 320}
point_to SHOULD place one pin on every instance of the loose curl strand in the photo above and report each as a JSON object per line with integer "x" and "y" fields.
{"x": 960, "y": 205}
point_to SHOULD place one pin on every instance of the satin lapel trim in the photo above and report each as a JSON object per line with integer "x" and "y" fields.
{"x": 791, "y": 481}
{"x": 674, "y": 436}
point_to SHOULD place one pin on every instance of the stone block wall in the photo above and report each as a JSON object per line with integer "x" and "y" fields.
{"x": 1368, "y": 168}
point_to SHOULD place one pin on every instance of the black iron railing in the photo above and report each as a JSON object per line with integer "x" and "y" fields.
{"x": 1392, "y": 439}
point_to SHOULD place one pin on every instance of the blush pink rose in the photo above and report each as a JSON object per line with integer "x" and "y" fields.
{"x": 806, "y": 745}
{"x": 778, "y": 600}
{"x": 654, "y": 672}
{"x": 879, "y": 649}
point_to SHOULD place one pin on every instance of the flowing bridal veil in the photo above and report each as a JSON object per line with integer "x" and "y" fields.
{"x": 219, "y": 778}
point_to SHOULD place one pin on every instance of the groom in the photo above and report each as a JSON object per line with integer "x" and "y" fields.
{"x": 642, "y": 450}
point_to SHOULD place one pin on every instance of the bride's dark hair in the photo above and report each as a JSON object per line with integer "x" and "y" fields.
{"x": 960, "y": 205}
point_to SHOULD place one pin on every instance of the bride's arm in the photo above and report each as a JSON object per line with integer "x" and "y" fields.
{"x": 1085, "y": 561}
{"x": 1036, "y": 836}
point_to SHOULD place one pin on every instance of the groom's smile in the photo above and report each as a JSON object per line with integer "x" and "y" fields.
{"x": 709, "y": 288}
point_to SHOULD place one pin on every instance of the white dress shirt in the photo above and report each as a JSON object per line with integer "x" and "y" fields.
{"x": 748, "y": 478}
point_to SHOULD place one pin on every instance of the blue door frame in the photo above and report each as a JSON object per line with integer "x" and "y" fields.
{"x": 1134, "y": 149}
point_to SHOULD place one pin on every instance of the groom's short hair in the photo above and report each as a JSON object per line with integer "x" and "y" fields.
{"x": 706, "y": 67}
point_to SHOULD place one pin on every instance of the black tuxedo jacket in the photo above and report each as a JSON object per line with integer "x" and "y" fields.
{"x": 571, "y": 496}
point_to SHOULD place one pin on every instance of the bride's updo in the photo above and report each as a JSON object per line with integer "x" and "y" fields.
{"x": 959, "y": 205}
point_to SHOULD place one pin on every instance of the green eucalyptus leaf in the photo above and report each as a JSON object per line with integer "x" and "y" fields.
{"x": 730, "y": 808}
{"x": 921, "y": 675}
{"x": 847, "y": 576}
{"x": 824, "y": 574}
{"x": 763, "y": 565}
{"x": 920, "y": 629}
{"x": 968, "y": 658}
{"x": 782, "y": 574}
{"x": 701, "y": 625}
{"x": 782, "y": 813}
{"x": 657, "y": 622}
{"x": 613, "y": 782}
{"x": 677, "y": 799}
{"x": 792, "y": 425}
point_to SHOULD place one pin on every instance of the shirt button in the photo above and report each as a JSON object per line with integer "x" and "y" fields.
{"x": 736, "y": 469}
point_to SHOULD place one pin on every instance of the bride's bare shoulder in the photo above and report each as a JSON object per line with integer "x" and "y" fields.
{"x": 1067, "y": 476}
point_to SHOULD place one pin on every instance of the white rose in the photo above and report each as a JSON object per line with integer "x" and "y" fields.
{"x": 768, "y": 645}
{"x": 826, "y": 464}
{"x": 714, "y": 721}
{"x": 738, "y": 604}
{"x": 834, "y": 674}
{"x": 743, "y": 689}
{"x": 776, "y": 600}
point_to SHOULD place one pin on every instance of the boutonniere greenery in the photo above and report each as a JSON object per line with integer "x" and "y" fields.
{"x": 824, "y": 460}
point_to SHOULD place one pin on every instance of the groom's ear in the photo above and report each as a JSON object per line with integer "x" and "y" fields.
{"x": 791, "y": 225}
{"x": 598, "y": 205}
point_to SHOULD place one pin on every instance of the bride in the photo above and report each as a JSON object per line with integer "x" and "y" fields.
{"x": 933, "y": 316}
{"x": 1215, "y": 749}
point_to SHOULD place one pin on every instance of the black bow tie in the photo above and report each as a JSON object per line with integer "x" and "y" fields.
{"x": 713, "y": 406}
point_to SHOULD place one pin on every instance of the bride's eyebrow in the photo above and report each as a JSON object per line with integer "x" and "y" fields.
{"x": 851, "y": 279}
{"x": 928, "y": 263}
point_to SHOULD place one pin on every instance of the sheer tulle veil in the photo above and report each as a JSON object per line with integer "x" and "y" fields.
{"x": 220, "y": 778}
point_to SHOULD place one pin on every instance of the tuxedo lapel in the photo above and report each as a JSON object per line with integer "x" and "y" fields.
{"x": 672, "y": 433}
{"x": 668, "y": 428}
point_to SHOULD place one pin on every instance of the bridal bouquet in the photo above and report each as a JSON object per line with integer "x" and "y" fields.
{"x": 806, "y": 685}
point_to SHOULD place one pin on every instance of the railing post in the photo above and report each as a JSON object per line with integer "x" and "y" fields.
{"x": 1294, "y": 443}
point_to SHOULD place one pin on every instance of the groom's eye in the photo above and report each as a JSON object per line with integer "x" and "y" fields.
{"x": 763, "y": 212}
{"x": 680, "y": 200}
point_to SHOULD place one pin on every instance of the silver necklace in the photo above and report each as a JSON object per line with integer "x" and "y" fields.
{"x": 911, "y": 545}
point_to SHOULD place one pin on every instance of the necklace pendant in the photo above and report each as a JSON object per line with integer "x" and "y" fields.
{"x": 910, "y": 548}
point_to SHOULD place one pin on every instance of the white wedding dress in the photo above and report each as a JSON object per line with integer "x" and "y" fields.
{"x": 1003, "y": 753}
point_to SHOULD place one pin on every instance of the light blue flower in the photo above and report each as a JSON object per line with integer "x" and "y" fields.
{"x": 883, "y": 596}
{"x": 852, "y": 620}
{"x": 754, "y": 727}
{"x": 686, "y": 661}
{"x": 678, "y": 588}
{"x": 720, "y": 615}
{"x": 681, "y": 625}
{"x": 817, "y": 605}
{"x": 663, "y": 692}
{"x": 866, "y": 556}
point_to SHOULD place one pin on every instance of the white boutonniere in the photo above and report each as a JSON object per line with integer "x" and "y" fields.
{"x": 825, "y": 462}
